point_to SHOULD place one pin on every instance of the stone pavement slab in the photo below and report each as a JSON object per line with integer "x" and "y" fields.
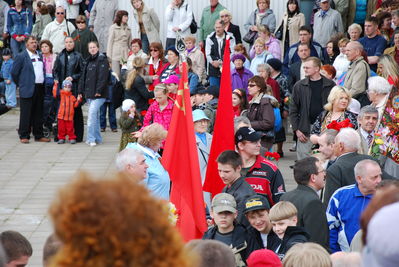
{"x": 31, "y": 174}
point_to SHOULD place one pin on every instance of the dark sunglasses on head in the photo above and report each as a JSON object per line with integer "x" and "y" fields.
{"x": 60, "y": 13}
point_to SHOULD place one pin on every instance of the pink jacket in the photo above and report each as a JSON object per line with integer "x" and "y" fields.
{"x": 154, "y": 114}
{"x": 273, "y": 46}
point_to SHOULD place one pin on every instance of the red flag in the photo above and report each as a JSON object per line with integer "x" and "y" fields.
{"x": 180, "y": 159}
{"x": 223, "y": 133}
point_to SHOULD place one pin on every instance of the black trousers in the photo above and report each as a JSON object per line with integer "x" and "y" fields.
{"x": 31, "y": 114}
{"x": 78, "y": 124}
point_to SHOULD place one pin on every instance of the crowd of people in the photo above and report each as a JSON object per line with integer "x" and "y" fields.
{"x": 334, "y": 81}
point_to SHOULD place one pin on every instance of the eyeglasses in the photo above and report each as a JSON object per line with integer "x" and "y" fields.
{"x": 224, "y": 16}
{"x": 251, "y": 85}
{"x": 154, "y": 50}
{"x": 60, "y": 13}
{"x": 80, "y": 22}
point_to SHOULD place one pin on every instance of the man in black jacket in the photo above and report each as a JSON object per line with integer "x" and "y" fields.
{"x": 296, "y": 72}
{"x": 308, "y": 98}
{"x": 310, "y": 177}
{"x": 229, "y": 167}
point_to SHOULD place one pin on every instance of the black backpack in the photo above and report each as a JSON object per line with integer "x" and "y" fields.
{"x": 193, "y": 25}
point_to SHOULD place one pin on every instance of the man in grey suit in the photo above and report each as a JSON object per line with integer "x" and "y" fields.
{"x": 341, "y": 173}
{"x": 367, "y": 118}
{"x": 310, "y": 177}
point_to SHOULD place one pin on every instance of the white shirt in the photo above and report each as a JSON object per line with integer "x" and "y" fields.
{"x": 264, "y": 239}
{"x": 37, "y": 63}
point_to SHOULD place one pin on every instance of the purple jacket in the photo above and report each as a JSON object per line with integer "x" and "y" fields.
{"x": 238, "y": 82}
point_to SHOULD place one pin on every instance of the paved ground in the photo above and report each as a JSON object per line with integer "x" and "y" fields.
{"x": 30, "y": 175}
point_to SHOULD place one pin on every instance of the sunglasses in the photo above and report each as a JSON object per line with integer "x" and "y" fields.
{"x": 80, "y": 22}
{"x": 154, "y": 50}
{"x": 60, "y": 13}
{"x": 251, "y": 85}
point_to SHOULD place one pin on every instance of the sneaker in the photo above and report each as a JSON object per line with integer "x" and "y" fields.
{"x": 293, "y": 148}
{"x": 72, "y": 142}
{"x": 92, "y": 144}
{"x": 102, "y": 130}
{"x": 114, "y": 130}
{"x": 61, "y": 141}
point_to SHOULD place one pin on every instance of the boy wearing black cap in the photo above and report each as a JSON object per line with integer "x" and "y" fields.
{"x": 262, "y": 174}
{"x": 257, "y": 212}
{"x": 224, "y": 213}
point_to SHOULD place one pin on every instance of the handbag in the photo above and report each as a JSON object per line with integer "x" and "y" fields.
{"x": 193, "y": 24}
{"x": 268, "y": 134}
{"x": 250, "y": 37}
{"x": 279, "y": 33}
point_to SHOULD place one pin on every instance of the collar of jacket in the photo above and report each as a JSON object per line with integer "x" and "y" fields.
{"x": 306, "y": 81}
{"x": 256, "y": 100}
{"x": 307, "y": 188}
{"x": 360, "y": 58}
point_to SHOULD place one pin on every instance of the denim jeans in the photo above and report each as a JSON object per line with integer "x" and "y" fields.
{"x": 145, "y": 43}
{"x": 111, "y": 116}
{"x": 93, "y": 120}
{"x": 16, "y": 47}
{"x": 214, "y": 81}
{"x": 11, "y": 95}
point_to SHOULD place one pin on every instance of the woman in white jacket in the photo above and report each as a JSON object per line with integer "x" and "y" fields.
{"x": 178, "y": 15}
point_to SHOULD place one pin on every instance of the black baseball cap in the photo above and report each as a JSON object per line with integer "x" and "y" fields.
{"x": 247, "y": 134}
{"x": 256, "y": 202}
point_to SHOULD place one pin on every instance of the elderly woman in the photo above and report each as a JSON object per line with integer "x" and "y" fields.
{"x": 264, "y": 71}
{"x": 226, "y": 17}
{"x": 354, "y": 31}
{"x": 149, "y": 142}
{"x": 204, "y": 141}
{"x": 240, "y": 75}
{"x": 260, "y": 111}
{"x": 196, "y": 56}
{"x": 394, "y": 50}
{"x": 240, "y": 49}
{"x": 136, "y": 51}
{"x": 293, "y": 19}
{"x": 94, "y": 85}
{"x": 119, "y": 39}
{"x": 335, "y": 110}
{"x": 148, "y": 24}
{"x": 263, "y": 15}
{"x": 378, "y": 93}
{"x": 272, "y": 45}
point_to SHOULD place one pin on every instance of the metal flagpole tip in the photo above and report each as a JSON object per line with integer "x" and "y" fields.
{"x": 180, "y": 46}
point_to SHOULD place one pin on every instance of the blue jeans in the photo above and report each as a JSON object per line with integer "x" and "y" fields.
{"x": 145, "y": 43}
{"x": 16, "y": 47}
{"x": 214, "y": 81}
{"x": 93, "y": 120}
{"x": 111, "y": 116}
{"x": 11, "y": 94}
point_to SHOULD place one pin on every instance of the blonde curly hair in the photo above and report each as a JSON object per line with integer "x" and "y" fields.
{"x": 113, "y": 222}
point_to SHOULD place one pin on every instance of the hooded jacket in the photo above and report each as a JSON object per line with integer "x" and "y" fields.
{"x": 293, "y": 235}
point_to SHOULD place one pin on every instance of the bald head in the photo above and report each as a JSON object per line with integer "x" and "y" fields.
{"x": 354, "y": 50}
{"x": 345, "y": 259}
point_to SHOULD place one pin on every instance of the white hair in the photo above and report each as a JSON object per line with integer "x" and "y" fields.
{"x": 361, "y": 167}
{"x": 349, "y": 138}
{"x": 125, "y": 157}
{"x": 379, "y": 85}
